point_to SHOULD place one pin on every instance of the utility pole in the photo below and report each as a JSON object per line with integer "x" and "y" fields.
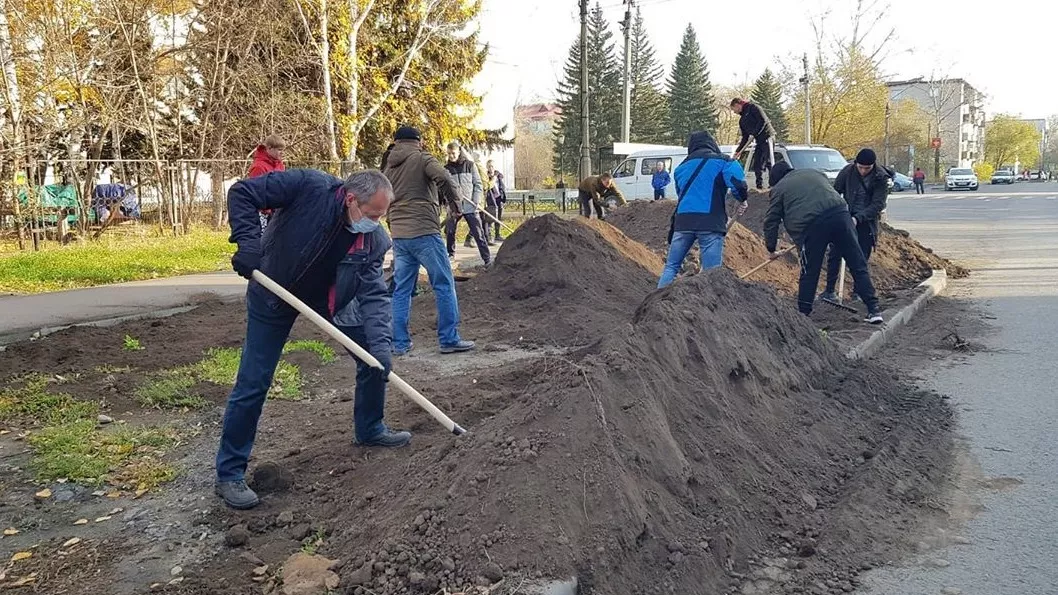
{"x": 585, "y": 139}
{"x": 626, "y": 115}
{"x": 808, "y": 101}
{"x": 887, "y": 112}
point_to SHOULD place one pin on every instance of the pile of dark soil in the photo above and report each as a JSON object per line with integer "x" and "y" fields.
{"x": 554, "y": 280}
{"x": 673, "y": 455}
{"x": 648, "y": 223}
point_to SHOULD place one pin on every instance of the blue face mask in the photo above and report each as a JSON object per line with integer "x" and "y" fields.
{"x": 364, "y": 225}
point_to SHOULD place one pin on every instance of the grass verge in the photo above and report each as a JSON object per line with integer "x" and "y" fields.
{"x": 174, "y": 388}
{"x": 71, "y": 445}
{"x": 113, "y": 259}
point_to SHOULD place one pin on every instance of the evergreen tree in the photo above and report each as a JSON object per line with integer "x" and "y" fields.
{"x": 649, "y": 109}
{"x": 691, "y": 104}
{"x": 604, "y": 101}
{"x": 767, "y": 94}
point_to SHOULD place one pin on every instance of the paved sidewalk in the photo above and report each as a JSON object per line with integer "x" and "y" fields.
{"x": 23, "y": 315}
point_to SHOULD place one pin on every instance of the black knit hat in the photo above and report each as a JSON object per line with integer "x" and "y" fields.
{"x": 407, "y": 133}
{"x": 778, "y": 172}
{"x": 866, "y": 157}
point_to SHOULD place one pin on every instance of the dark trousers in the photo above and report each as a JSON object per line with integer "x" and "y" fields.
{"x": 659, "y": 193}
{"x": 491, "y": 227}
{"x": 267, "y": 330}
{"x": 476, "y": 232}
{"x": 763, "y": 159}
{"x": 833, "y": 228}
{"x": 920, "y": 188}
{"x": 587, "y": 202}
{"x": 864, "y": 234}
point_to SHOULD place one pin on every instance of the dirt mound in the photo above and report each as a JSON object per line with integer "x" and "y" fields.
{"x": 648, "y": 223}
{"x": 557, "y": 280}
{"x": 715, "y": 427}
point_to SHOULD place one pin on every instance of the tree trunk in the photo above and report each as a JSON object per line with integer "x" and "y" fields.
{"x": 357, "y": 16}
{"x": 14, "y": 102}
{"x": 325, "y": 64}
{"x": 216, "y": 182}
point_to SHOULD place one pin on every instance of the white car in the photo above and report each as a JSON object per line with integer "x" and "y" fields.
{"x": 960, "y": 179}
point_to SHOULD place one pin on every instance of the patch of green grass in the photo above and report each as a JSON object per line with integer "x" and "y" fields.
{"x": 314, "y": 542}
{"x": 114, "y": 258}
{"x": 132, "y": 344}
{"x": 33, "y": 402}
{"x": 79, "y": 451}
{"x": 174, "y": 388}
{"x": 320, "y": 348}
{"x": 171, "y": 389}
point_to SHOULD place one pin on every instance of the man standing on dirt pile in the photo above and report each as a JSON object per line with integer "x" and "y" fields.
{"x": 865, "y": 186}
{"x": 326, "y": 247}
{"x": 465, "y": 173}
{"x": 702, "y": 181}
{"x": 754, "y": 122}
{"x": 594, "y": 190}
{"x": 815, "y": 215}
{"x": 415, "y": 222}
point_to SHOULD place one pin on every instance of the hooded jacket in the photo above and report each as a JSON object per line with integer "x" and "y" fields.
{"x": 264, "y": 163}
{"x": 465, "y": 174}
{"x": 417, "y": 177}
{"x": 593, "y": 187}
{"x": 797, "y": 200}
{"x": 701, "y": 196}
{"x": 866, "y": 196}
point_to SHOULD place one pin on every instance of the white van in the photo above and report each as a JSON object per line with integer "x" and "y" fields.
{"x": 633, "y": 175}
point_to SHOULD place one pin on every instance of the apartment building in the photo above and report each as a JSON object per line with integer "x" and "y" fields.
{"x": 955, "y": 110}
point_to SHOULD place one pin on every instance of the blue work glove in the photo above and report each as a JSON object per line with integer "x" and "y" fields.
{"x": 245, "y": 261}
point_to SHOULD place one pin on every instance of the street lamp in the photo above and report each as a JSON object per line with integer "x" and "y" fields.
{"x": 562, "y": 157}
{"x": 888, "y": 112}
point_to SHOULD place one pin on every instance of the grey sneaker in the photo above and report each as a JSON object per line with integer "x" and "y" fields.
{"x": 459, "y": 347}
{"x": 397, "y": 351}
{"x": 236, "y": 494}
{"x": 388, "y": 438}
{"x": 828, "y": 296}
{"x": 874, "y": 318}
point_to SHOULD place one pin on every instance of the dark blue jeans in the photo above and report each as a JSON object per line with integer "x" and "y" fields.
{"x": 267, "y": 330}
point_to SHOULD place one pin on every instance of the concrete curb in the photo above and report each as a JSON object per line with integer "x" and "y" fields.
{"x": 32, "y": 335}
{"x": 867, "y": 349}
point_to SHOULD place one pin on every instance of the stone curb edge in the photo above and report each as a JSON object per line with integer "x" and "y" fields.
{"x": 20, "y": 336}
{"x": 868, "y": 348}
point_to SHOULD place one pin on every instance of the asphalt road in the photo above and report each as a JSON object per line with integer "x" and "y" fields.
{"x": 1007, "y": 398}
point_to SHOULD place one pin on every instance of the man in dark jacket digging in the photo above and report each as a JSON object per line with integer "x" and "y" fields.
{"x": 815, "y": 215}
{"x": 325, "y": 246}
{"x": 865, "y": 186}
{"x": 754, "y": 122}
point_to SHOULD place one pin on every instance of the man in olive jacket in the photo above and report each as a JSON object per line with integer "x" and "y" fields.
{"x": 594, "y": 190}
{"x": 814, "y": 215}
{"x": 415, "y": 224}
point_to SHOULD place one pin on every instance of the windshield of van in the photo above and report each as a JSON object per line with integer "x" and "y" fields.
{"x": 821, "y": 159}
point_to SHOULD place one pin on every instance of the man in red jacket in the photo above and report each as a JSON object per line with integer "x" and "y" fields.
{"x": 267, "y": 157}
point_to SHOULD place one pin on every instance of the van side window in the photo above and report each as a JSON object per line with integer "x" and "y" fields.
{"x": 626, "y": 169}
{"x": 651, "y": 165}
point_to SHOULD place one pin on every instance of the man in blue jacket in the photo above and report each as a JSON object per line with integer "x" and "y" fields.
{"x": 660, "y": 180}
{"x": 702, "y": 181}
{"x": 324, "y": 244}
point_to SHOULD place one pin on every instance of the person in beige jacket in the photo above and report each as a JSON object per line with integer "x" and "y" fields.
{"x": 415, "y": 225}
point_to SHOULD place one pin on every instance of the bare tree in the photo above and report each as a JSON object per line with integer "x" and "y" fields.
{"x": 323, "y": 46}
{"x": 13, "y": 101}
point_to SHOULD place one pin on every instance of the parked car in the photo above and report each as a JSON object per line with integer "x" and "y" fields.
{"x": 1003, "y": 176}
{"x": 902, "y": 182}
{"x": 1038, "y": 176}
{"x": 960, "y": 178}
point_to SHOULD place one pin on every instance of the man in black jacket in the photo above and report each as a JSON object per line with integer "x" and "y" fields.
{"x": 815, "y": 216}
{"x": 754, "y": 122}
{"x": 865, "y": 186}
{"x": 326, "y": 247}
